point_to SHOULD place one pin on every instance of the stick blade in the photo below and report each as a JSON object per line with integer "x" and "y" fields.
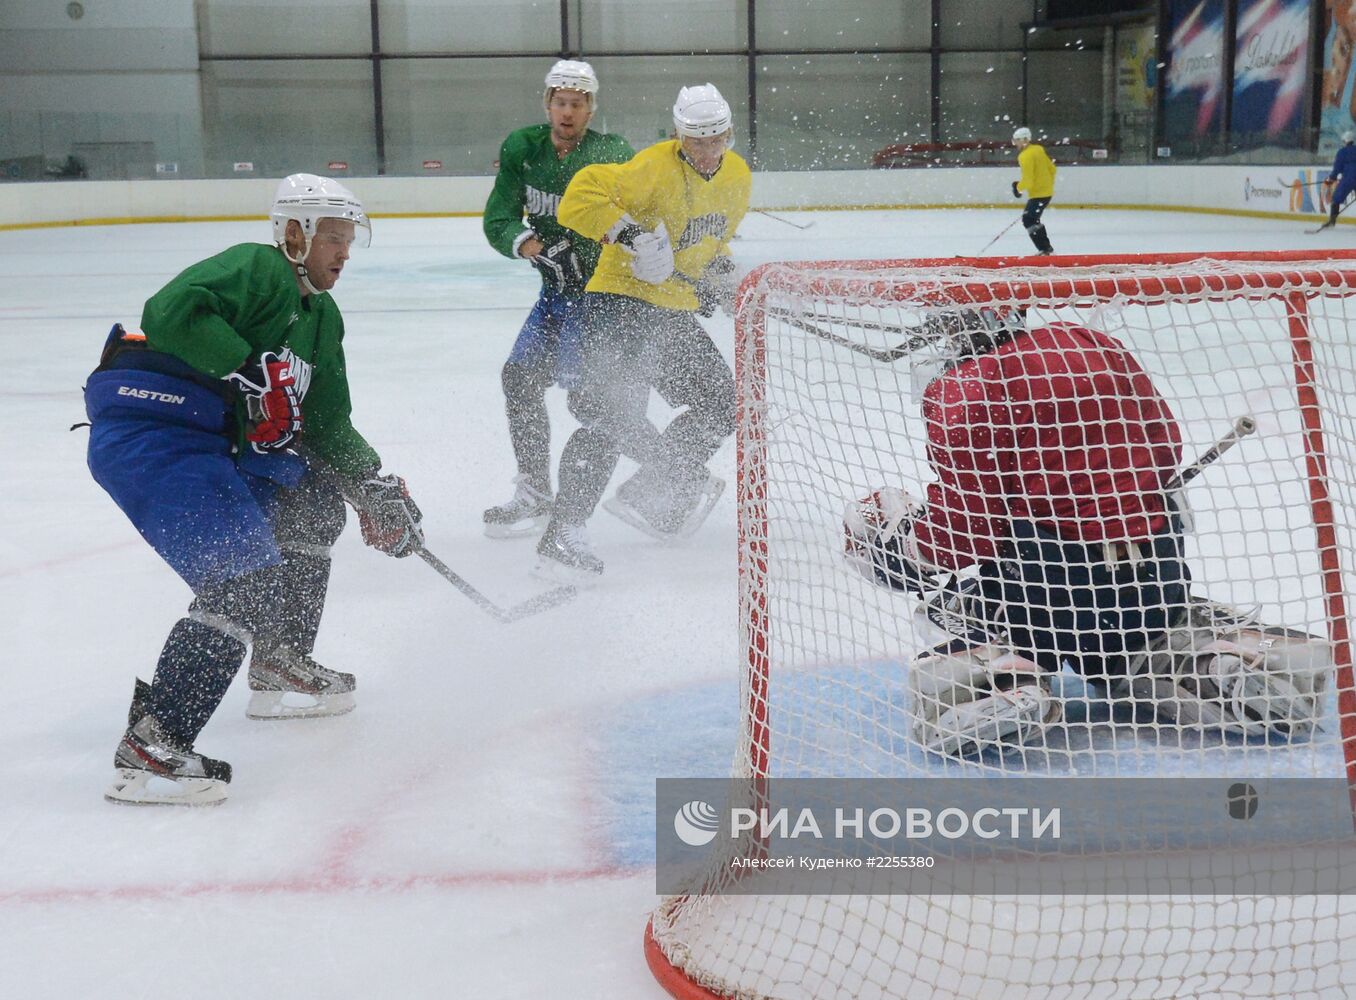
{"x": 542, "y": 602}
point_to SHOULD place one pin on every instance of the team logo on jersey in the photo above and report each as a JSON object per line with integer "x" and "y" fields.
{"x": 710, "y": 224}
{"x": 541, "y": 203}
{"x": 293, "y": 318}
{"x": 299, "y": 370}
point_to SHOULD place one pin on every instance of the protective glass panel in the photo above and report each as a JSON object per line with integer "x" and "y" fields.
{"x": 285, "y": 27}
{"x": 269, "y": 114}
{"x": 824, "y": 112}
{"x": 849, "y": 24}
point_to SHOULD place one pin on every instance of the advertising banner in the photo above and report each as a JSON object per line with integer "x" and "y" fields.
{"x": 1194, "y": 80}
{"x": 1271, "y": 63}
{"x": 1339, "y": 88}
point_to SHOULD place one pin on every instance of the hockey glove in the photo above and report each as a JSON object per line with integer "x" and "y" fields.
{"x": 273, "y": 403}
{"x": 390, "y": 520}
{"x": 716, "y": 287}
{"x": 1016, "y": 192}
{"x": 651, "y": 253}
{"x": 874, "y": 529}
{"x": 559, "y": 267}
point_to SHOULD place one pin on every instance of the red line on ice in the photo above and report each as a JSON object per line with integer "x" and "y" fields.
{"x": 313, "y": 885}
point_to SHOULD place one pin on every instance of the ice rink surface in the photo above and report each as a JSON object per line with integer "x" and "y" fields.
{"x": 481, "y": 826}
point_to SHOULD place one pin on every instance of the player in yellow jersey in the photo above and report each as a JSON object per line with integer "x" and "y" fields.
{"x": 665, "y": 219}
{"x": 1038, "y": 182}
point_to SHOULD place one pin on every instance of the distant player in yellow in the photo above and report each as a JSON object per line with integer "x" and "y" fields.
{"x": 665, "y": 219}
{"x": 1038, "y": 181}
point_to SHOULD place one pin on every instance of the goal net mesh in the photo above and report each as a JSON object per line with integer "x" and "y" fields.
{"x": 829, "y": 412}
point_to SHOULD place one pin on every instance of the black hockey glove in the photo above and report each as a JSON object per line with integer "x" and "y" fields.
{"x": 716, "y": 287}
{"x": 1015, "y": 192}
{"x": 390, "y": 520}
{"x": 559, "y": 266}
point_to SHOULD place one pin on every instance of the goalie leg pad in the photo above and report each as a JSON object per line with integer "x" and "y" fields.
{"x": 967, "y": 698}
{"x": 1223, "y": 671}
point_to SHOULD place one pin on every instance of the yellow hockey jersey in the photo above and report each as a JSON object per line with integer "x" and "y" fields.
{"x": 656, "y": 186}
{"x": 1038, "y": 172}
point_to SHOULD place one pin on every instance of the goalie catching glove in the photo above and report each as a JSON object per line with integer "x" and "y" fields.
{"x": 559, "y": 266}
{"x": 272, "y": 401}
{"x": 390, "y": 520}
{"x": 874, "y": 530}
{"x": 716, "y": 287}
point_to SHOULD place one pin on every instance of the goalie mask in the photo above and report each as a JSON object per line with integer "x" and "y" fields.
{"x": 956, "y": 335}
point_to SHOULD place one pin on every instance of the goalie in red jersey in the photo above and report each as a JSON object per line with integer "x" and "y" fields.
{"x": 1053, "y": 522}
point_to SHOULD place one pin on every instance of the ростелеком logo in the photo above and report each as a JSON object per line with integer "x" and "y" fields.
{"x": 696, "y": 823}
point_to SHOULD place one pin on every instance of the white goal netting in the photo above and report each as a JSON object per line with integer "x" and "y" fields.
{"x": 830, "y": 411}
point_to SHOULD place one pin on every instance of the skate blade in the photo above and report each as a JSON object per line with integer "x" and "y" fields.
{"x": 520, "y": 529}
{"x": 550, "y": 571}
{"x": 270, "y": 705}
{"x": 712, "y": 491}
{"x": 632, "y": 517}
{"x": 134, "y": 787}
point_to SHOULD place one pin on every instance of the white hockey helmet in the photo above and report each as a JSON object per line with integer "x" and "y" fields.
{"x": 701, "y": 112}
{"x": 1023, "y": 134}
{"x": 572, "y": 74}
{"x": 1349, "y": 136}
{"x": 308, "y": 198}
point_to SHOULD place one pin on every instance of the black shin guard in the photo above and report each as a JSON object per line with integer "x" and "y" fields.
{"x": 196, "y": 667}
{"x": 305, "y": 582}
{"x": 529, "y": 423}
{"x": 586, "y": 466}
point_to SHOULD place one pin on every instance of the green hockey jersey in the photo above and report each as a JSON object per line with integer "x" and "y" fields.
{"x": 531, "y": 179}
{"x": 226, "y": 310}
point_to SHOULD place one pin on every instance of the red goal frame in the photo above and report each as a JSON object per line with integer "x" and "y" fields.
{"x": 1330, "y": 269}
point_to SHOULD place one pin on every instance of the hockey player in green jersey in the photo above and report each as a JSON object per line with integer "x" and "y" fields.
{"x": 536, "y": 164}
{"x": 191, "y": 433}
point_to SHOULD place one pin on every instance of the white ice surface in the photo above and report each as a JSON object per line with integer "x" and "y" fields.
{"x": 480, "y": 826}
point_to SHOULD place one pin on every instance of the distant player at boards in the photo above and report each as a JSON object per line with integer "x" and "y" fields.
{"x": 1341, "y": 180}
{"x": 1038, "y": 183}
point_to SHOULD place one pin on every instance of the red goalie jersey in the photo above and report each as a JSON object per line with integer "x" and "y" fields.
{"x": 1058, "y": 425}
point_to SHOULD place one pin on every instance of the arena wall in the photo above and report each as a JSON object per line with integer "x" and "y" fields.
{"x": 1267, "y": 191}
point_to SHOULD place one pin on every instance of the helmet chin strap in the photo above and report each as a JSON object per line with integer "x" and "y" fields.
{"x": 299, "y": 265}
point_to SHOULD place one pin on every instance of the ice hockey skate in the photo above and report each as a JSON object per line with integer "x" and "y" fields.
{"x": 526, "y": 514}
{"x": 154, "y": 769}
{"x": 667, "y": 511}
{"x": 565, "y": 555}
{"x": 285, "y": 684}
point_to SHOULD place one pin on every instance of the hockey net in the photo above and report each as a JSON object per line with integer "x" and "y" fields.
{"x": 829, "y": 411}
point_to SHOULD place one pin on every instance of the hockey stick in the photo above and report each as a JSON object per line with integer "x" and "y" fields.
{"x": 531, "y": 606}
{"x": 1000, "y": 235}
{"x": 1243, "y": 426}
{"x": 788, "y": 222}
{"x": 1331, "y": 222}
{"x": 887, "y": 355}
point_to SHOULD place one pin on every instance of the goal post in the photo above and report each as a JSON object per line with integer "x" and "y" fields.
{"x": 831, "y": 369}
